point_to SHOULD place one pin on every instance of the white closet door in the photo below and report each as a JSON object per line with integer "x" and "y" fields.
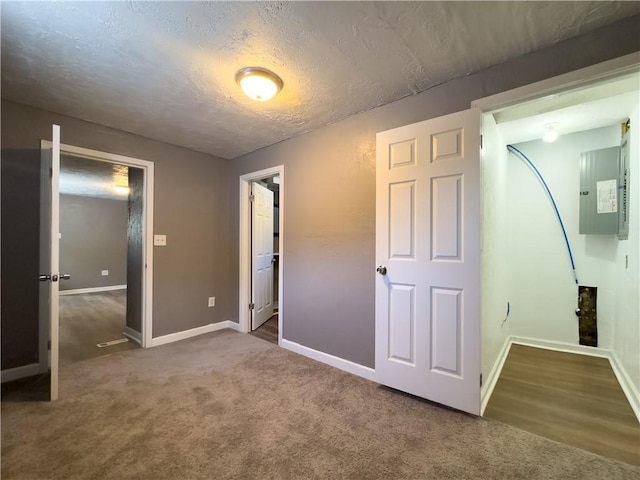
{"x": 261, "y": 255}
{"x": 428, "y": 253}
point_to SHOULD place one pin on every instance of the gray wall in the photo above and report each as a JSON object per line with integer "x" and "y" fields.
{"x": 20, "y": 173}
{"x": 94, "y": 238}
{"x": 329, "y": 196}
{"x": 191, "y": 208}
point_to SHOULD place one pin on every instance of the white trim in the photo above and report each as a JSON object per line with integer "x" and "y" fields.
{"x": 234, "y": 326}
{"x": 489, "y": 383}
{"x": 575, "y": 79}
{"x": 628, "y": 387}
{"x": 561, "y": 346}
{"x": 17, "y": 373}
{"x": 175, "y": 337}
{"x": 337, "y": 362}
{"x": 131, "y": 334}
{"x": 80, "y": 291}
{"x": 147, "y": 280}
{"x": 244, "y": 316}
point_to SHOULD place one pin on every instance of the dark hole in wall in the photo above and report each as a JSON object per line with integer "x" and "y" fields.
{"x": 588, "y": 317}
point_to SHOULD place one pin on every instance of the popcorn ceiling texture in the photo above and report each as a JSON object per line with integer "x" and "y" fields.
{"x": 165, "y": 70}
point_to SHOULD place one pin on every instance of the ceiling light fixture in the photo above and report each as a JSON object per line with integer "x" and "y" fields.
{"x": 258, "y": 83}
{"x": 121, "y": 186}
{"x": 551, "y": 135}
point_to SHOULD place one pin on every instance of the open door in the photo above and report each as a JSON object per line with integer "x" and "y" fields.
{"x": 261, "y": 255}
{"x": 49, "y": 257}
{"x": 428, "y": 252}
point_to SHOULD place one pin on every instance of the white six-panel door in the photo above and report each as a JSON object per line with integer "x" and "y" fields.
{"x": 428, "y": 240}
{"x": 49, "y": 257}
{"x": 261, "y": 255}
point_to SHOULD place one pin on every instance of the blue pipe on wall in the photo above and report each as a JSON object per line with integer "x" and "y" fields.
{"x": 537, "y": 173}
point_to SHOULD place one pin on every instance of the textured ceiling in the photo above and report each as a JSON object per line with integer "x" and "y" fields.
{"x": 165, "y": 70}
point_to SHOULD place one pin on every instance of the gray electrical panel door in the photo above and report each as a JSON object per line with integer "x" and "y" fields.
{"x": 599, "y": 177}
{"x": 623, "y": 189}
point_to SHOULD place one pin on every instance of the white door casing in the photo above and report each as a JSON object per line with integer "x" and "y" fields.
{"x": 428, "y": 238}
{"x": 261, "y": 255}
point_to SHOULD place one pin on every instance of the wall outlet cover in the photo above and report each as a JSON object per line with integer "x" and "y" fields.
{"x": 160, "y": 240}
{"x": 104, "y": 273}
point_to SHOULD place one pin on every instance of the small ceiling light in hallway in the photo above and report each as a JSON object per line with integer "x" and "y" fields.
{"x": 258, "y": 83}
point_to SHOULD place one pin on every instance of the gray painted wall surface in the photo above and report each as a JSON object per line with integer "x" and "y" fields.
{"x": 94, "y": 238}
{"x": 191, "y": 208}
{"x": 329, "y": 196}
{"x": 20, "y": 190}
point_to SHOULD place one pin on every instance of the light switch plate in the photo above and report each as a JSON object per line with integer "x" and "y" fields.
{"x": 212, "y": 302}
{"x": 160, "y": 240}
{"x": 104, "y": 273}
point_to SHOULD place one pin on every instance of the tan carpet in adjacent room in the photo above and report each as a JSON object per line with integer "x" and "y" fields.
{"x": 231, "y": 406}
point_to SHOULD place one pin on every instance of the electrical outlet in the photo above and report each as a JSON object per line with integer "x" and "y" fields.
{"x": 212, "y": 302}
{"x": 104, "y": 273}
{"x": 160, "y": 240}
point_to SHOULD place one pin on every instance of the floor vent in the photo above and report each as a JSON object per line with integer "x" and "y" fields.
{"x": 112, "y": 342}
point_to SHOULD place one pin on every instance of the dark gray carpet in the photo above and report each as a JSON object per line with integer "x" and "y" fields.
{"x": 230, "y": 406}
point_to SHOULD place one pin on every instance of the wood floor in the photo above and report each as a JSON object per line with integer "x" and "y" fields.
{"x": 574, "y": 399}
{"x": 268, "y": 330}
{"x": 89, "y": 319}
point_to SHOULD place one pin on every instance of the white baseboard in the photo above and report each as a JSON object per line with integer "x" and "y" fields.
{"x": 490, "y": 382}
{"x": 17, "y": 373}
{"x": 562, "y": 347}
{"x": 131, "y": 334}
{"x": 337, "y": 362}
{"x": 234, "y": 326}
{"x": 628, "y": 387}
{"x": 79, "y": 291}
{"x": 174, "y": 337}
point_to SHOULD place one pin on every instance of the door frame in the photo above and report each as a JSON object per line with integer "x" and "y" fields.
{"x": 147, "y": 278}
{"x": 244, "y": 315}
{"x": 583, "y": 77}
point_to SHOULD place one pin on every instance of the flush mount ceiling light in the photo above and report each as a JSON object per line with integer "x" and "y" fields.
{"x": 551, "y": 135}
{"x": 258, "y": 83}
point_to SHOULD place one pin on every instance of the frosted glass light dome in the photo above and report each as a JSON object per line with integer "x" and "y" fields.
{"x": 258, "y": 83}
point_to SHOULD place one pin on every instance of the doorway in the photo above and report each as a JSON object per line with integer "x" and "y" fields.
{"x": 96, "y": 219}
{"x": 139, "y": 248}
{"x": 254, "y": 297}
{"x": 540, "y": 257}
{"x": 265, "y": 236}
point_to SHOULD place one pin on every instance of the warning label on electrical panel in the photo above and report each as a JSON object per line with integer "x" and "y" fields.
{"x": 607, "y": 196}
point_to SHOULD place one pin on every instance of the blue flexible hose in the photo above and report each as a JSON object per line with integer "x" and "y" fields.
{"x": 514, "y": 150}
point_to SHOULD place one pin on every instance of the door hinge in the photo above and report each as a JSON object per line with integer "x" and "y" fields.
{"x": 252, "y": 197}
{"x": 51, "y": 173}
{"x": 480, "y": 379}
{"x": 480, "y": 141}
{"x": 251, "y": 306}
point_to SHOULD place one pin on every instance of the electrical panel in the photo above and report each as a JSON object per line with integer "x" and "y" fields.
{"x": 604, "y": 189}
{"x": 599, "y": 179}
{"x": 623, "y": 188}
